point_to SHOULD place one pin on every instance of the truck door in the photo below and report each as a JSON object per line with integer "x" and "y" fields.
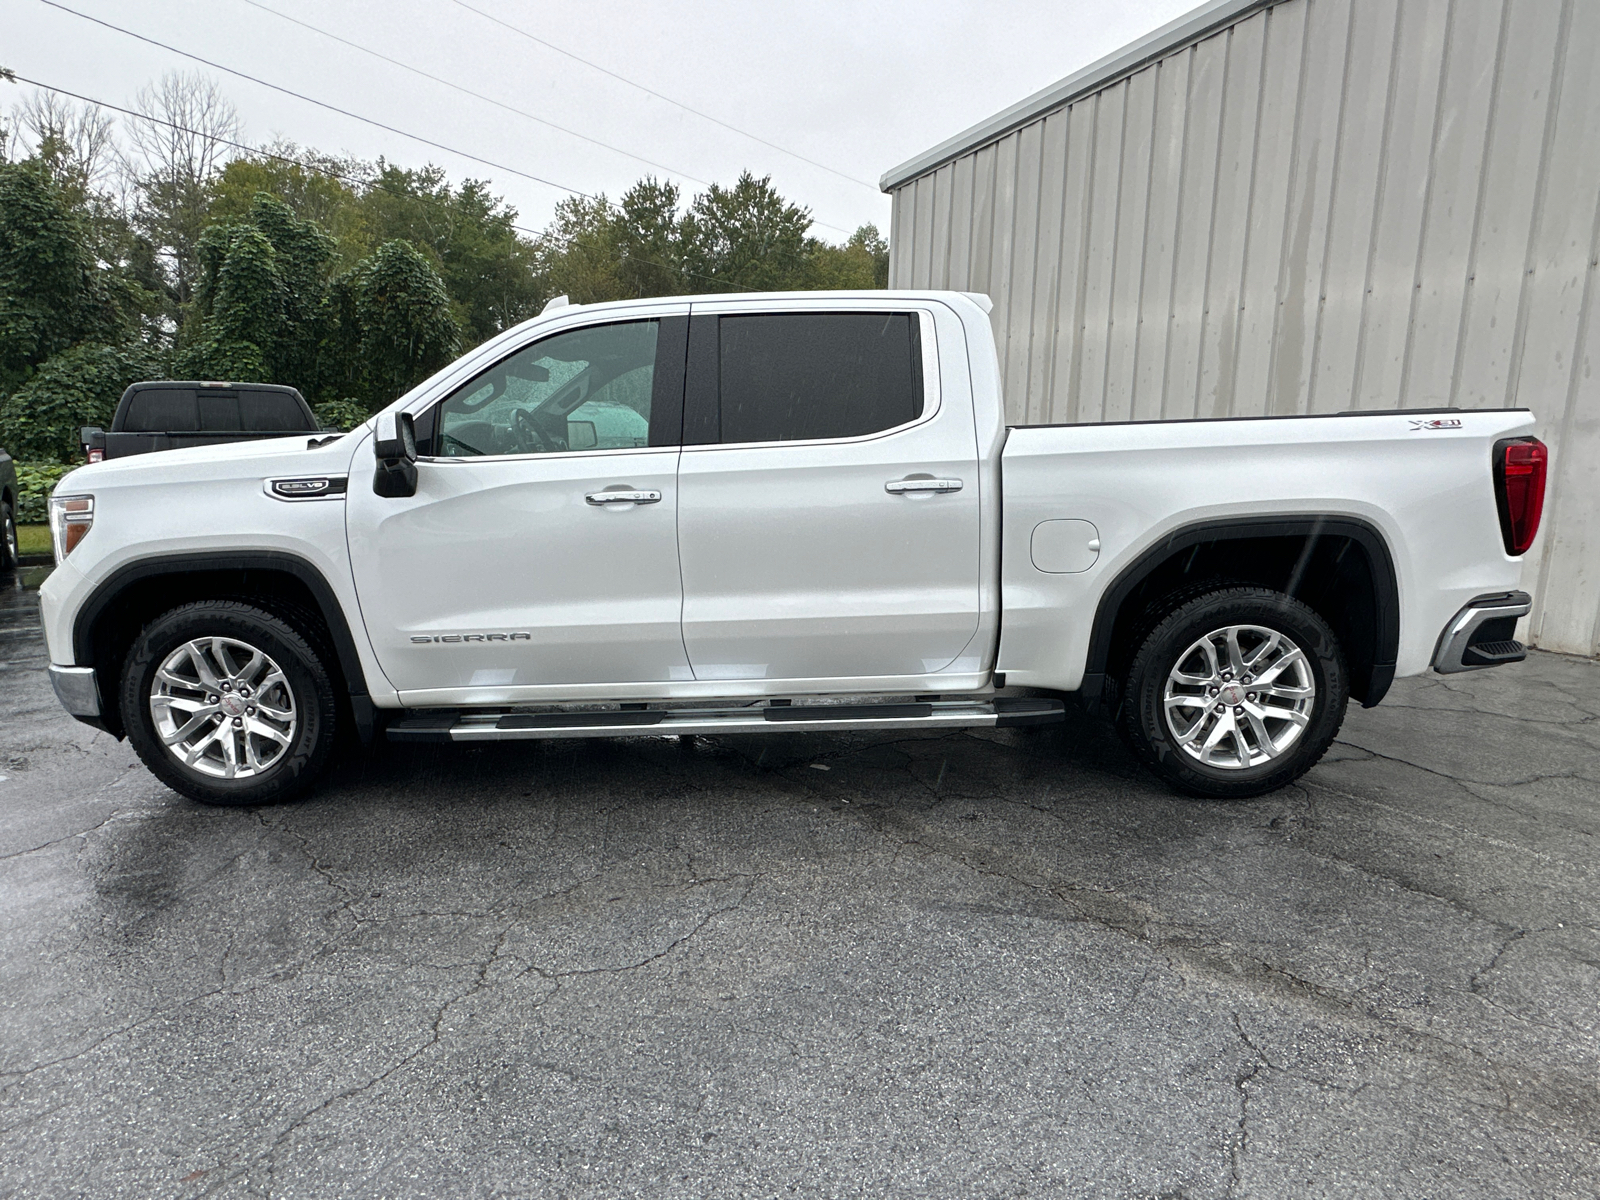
{"x": 541, "y": 545}
{"x": 828, "y": 516}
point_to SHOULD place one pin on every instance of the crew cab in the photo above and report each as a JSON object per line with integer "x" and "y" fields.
{"x": 774, "y": 513}
{"x": 176, "y": 414}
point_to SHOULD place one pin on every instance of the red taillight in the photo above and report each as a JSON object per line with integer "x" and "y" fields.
{"x": 1519, "y": 471}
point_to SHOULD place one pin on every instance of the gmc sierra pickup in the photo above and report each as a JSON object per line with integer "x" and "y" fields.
{"x": 776, "y": 513}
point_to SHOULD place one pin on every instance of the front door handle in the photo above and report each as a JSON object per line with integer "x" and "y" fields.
{"x": 641, "y": 497}
{"x": 899, "y": 487}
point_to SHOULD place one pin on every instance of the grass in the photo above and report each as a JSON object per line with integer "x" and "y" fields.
{"x": 33, "y": 539}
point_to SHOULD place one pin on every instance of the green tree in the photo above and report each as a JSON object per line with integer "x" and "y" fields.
{"x": 746, "y": 237}
{"x": 395, "y": 325}
{"x": 326, "y": 191}
{"x": 78, "y": 387}
{"x": 580, "y": 253}
{"x": 649, "y": 241}
{"x": 53, "y": 292}
{"x": 743, "y": 238}
{"x": 260, "y": 300}
{"x": 468, "y": 234}
{"x": 862, "y": 262}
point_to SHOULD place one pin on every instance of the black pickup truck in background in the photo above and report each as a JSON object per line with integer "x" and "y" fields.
{"x": 169, "y": 415}
{"x": 8, "y": 513}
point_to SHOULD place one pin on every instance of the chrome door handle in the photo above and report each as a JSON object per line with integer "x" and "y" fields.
{"x": 649, "y": 497}
{"x": 899, "y": 487}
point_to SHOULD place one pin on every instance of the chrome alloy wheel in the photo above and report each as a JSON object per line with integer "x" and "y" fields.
{"x": 1240, "y": 696}
{"x": 223, "y": 708}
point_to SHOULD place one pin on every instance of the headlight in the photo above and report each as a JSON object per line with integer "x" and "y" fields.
{"x": 70, "y": 518}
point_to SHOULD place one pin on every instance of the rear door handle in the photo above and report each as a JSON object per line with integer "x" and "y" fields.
{"x": 899, "y": 487}
{"x": 642, "y": 497}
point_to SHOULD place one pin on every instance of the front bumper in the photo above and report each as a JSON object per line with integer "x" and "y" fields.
{"x": 1480, "y": 635}
{"x": 77, "y": 689}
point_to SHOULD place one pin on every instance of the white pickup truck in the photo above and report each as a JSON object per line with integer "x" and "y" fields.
{"x": 769, "y": 513}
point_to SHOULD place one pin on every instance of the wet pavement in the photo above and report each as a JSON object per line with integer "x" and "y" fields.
{"x": 1000, "y": 964}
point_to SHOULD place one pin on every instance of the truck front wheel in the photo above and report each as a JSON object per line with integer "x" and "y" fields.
{"x": 228, "y": 704}
{"x": 1235, "y": 693}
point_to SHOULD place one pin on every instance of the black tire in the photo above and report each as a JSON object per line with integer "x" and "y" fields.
{"x": 10, "y": 555}
{"x": 1143, "y": 721}
{"x": 305, "y": 675}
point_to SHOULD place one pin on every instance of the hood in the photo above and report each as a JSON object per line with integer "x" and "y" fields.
{"x": 228, "y": 460}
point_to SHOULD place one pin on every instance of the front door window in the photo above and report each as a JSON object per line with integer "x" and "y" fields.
{"x": 586, "y": 389}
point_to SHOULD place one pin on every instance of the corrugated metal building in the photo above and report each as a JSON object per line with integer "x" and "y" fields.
{"x": 1301, "y": 207}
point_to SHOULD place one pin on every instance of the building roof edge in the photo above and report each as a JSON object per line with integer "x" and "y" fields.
{"x": 1191, "y": 27}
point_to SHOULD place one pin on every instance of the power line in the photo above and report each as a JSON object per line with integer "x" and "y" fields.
{"x": 256, "y": 151}
{"x": 660, "y": 96}
{"x": 319, "y": 103}
{"x": 321, "y": 168}
{"x": 469, "y": 92}
{"x": 354, "y": 115}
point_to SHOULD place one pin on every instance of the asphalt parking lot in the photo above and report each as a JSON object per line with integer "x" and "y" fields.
{"x": 974, "y": 965}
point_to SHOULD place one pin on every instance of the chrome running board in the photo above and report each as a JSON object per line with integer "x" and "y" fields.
{"x": 501, "y": 726}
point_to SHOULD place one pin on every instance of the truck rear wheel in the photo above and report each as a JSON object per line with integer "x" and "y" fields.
{"x": 228, "y": 704}
{"x": 1235, "y": 693}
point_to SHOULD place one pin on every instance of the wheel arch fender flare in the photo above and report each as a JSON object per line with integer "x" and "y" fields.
{"x": 1385, "y": 597}
{"x": 335, "y": 621}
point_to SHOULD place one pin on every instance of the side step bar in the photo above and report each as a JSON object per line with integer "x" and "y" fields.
{"x": 473, "y": 726}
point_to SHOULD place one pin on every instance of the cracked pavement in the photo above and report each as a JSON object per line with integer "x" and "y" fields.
{"x": 991, "y": 964}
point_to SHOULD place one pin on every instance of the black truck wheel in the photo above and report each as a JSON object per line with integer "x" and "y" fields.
{"x": 228, "y": 704}
{"x": 10, "y": 555}
{"x": 1235, "y": 693}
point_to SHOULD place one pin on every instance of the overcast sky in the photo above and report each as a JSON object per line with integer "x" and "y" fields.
{"x": 859, "y": 87}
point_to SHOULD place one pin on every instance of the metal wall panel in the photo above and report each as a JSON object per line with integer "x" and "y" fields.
{"x": 1322, "y": 205}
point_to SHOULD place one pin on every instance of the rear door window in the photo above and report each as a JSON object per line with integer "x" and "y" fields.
{"x": 812, "y": 376}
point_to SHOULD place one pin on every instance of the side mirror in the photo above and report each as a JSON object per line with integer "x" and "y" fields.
{"x": 395, "y": 448}
{"x": 581, "y": 435}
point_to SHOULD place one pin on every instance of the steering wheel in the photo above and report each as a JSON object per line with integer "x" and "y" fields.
{"x": 527, "y": 433}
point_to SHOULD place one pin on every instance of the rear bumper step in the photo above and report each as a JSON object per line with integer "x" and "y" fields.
{"x": 470, "y": 726}
{"x": 1479, "y": 635}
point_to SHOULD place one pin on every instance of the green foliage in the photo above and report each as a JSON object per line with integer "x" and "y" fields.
{"x": 35, "y": 481}
{"x": 348, "y": 280}
{"x": 343, "y": 415}
{"x": 395, "y": 327}
{"x": 78, "y": 387}
{"x": 746, "y": 237}
{"x": 52, "y": 291}
{"x": 861, "y": 263}
{"x": 467, "y": 234}
{"x": 322, "y": 197}
{"x": 259, "y": 311}
{"x": 743, "y": 238}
